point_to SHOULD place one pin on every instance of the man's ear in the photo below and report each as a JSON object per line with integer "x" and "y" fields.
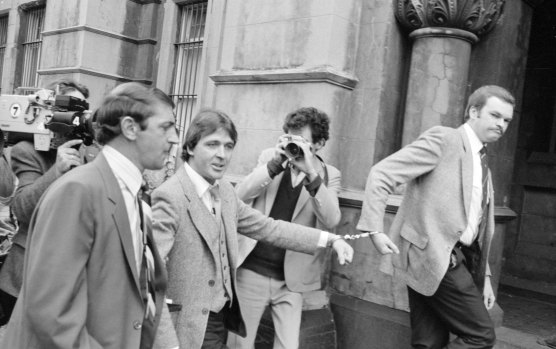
{"x": 129, "y": 128}
{"x": 473, "y": 112}
{"x": 318, "y": 145}
{"x": 189, "y": 151}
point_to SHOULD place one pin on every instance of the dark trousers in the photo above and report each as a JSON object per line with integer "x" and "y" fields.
{"x": 456, "y": 307}
{"x": 7, "y": 304}
{"x": 216, "y": 334}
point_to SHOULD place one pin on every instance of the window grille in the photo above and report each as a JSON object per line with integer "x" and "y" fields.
{"x": 188, "y": 48}
{"x": 31, "y": 46}
{"x": 3, "y": 40}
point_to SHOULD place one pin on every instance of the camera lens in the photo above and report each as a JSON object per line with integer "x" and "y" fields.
{"x": 294, "y": 150}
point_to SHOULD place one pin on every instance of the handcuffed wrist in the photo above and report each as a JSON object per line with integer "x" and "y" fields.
{"x": 333, "y": 238}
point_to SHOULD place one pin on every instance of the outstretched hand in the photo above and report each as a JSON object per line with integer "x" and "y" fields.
{"x": 343, "y": 250}
{"x": 383, "y": 244}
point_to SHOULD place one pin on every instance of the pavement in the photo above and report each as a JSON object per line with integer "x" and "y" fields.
{"x": 2, "y": 331}
{"x": 528, "y": 316}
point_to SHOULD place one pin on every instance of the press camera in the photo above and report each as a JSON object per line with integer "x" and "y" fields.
{"x": 292, "y": 148}
{"x": 45, "y": 119}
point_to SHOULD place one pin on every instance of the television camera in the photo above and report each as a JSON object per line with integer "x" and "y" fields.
{"x": 46, "y": 119}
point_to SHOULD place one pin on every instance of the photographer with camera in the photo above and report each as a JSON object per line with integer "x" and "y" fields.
{"x": 8, "y": 183}
{"x": 36, "y": 171}
{"x": 291, "y": 183}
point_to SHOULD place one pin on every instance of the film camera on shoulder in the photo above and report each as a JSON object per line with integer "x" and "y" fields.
{"x": 46, "y": 119}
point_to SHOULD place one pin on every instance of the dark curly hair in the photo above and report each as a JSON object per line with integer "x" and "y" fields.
{"x": 64, "y": 86}
{"x": 316, "y": 119}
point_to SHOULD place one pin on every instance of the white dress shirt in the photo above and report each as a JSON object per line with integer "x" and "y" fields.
{"x": 202, "y": 187}
{"x": 475, "y": 210}
{"x": 129, "y": 179}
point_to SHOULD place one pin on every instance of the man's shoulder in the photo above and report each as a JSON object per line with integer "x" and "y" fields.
{"x": 267, "y": 154}
{"x": 442, "y": 135}
{"x": 26, "y": 149}
{"x": 441, "y": 130}
{"x": 332, "y": 170}
{"x": 171, "y": 185}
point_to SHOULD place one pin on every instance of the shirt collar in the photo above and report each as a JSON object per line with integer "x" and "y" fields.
{"x": 201, "y": 185}
{"x": 123, "y": 168}
{"x": 476, "y": 144}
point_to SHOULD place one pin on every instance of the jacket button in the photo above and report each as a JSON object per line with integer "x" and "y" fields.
{"x": 211, "y": 283}
{"x": 137, "y": 325}
{"x": 205, "y": 311}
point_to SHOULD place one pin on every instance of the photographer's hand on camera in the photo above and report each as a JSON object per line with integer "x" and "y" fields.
{"x": 276, "y": 165}
{"x": 67, "y": 157}
{"x": 306, "y": 162}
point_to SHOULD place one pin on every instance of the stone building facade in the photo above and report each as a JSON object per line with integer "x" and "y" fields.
{"x": 383, "y": 70}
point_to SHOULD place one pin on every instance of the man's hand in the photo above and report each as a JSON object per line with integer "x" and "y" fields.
{"x": 279, "y": 153}
{"x": 343, "y": 250}
{"x": 306, "y": 162}
{"x": 383, "y": 244}
{"x": 488, "y": 294}
{"x": 67, "y": 157}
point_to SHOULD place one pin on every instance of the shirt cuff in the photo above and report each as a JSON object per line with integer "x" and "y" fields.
{"x": 323, "y": 239}
{"x": 274, "y": 168}
{"x": 314, "y": 186}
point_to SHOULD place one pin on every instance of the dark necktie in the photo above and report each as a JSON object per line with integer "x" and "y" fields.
{"x": 216, "y": 204}
{"x": 146, "y": 276}
{"x": 484, "y": 167}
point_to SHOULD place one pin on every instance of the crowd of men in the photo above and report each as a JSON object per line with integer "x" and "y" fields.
{"x": 93, "y": 265}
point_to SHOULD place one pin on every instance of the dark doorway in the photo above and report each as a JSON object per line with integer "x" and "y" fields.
{"x": 530, "y": 249}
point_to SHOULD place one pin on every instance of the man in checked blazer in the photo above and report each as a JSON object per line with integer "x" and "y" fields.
{"x": 298, "y": 188}
{"x": 439, "y": 241}
{"x": 197, "y": 216}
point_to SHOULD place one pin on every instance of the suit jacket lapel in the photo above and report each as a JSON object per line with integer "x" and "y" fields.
{"x": 301, "y": 201}
{"x": 119, "y": 213}
{"x": 228, "y": 221}
{"x": 201, "y": 218}
{"x": 466, "y": 171}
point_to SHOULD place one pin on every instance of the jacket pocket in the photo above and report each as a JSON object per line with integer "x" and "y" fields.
{"x": 411, "y": 235}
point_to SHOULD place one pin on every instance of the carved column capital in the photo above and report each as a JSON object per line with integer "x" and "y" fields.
{"x": 475, "y": 16}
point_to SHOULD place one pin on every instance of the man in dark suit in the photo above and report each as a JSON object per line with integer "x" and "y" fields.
{"x": 197, "y": 216}
{"x": 444, "y": 225}
{"x": 93, "y": 277}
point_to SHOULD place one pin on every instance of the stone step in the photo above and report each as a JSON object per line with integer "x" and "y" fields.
{"x": 508, "y": 338}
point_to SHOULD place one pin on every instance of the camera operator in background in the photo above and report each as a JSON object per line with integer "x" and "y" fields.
{"x": 8, "y": 183}
{"x": 291, "y": 183}
{"x": 35, "y": 170}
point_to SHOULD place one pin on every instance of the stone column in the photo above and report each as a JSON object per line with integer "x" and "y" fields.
{"x": 443, "y": 32}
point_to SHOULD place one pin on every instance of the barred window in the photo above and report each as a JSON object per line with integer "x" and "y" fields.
{"x": 31, "y": 46}
{"x": 3, "y": 40}
{"x": 188, "y": 48}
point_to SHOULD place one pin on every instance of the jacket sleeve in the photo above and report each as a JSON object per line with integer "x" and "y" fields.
{"x": 410, "y": 162}
{"x": 256, "y": 182}
{"x": 56, "y": 297}
{"x": 33, "y": 181}
{"x": 325, "y": 203}
{"x": 7, "y": 181}
{"x": 290, "y": 236}
{"x": 165, "y": 222}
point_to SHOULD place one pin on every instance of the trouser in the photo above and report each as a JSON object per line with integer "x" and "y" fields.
{"x": 216, "y": 333}
{"x": 255, "y": 292}
{"x": 7, "y": 304}
{"x": 457, "y": 307}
